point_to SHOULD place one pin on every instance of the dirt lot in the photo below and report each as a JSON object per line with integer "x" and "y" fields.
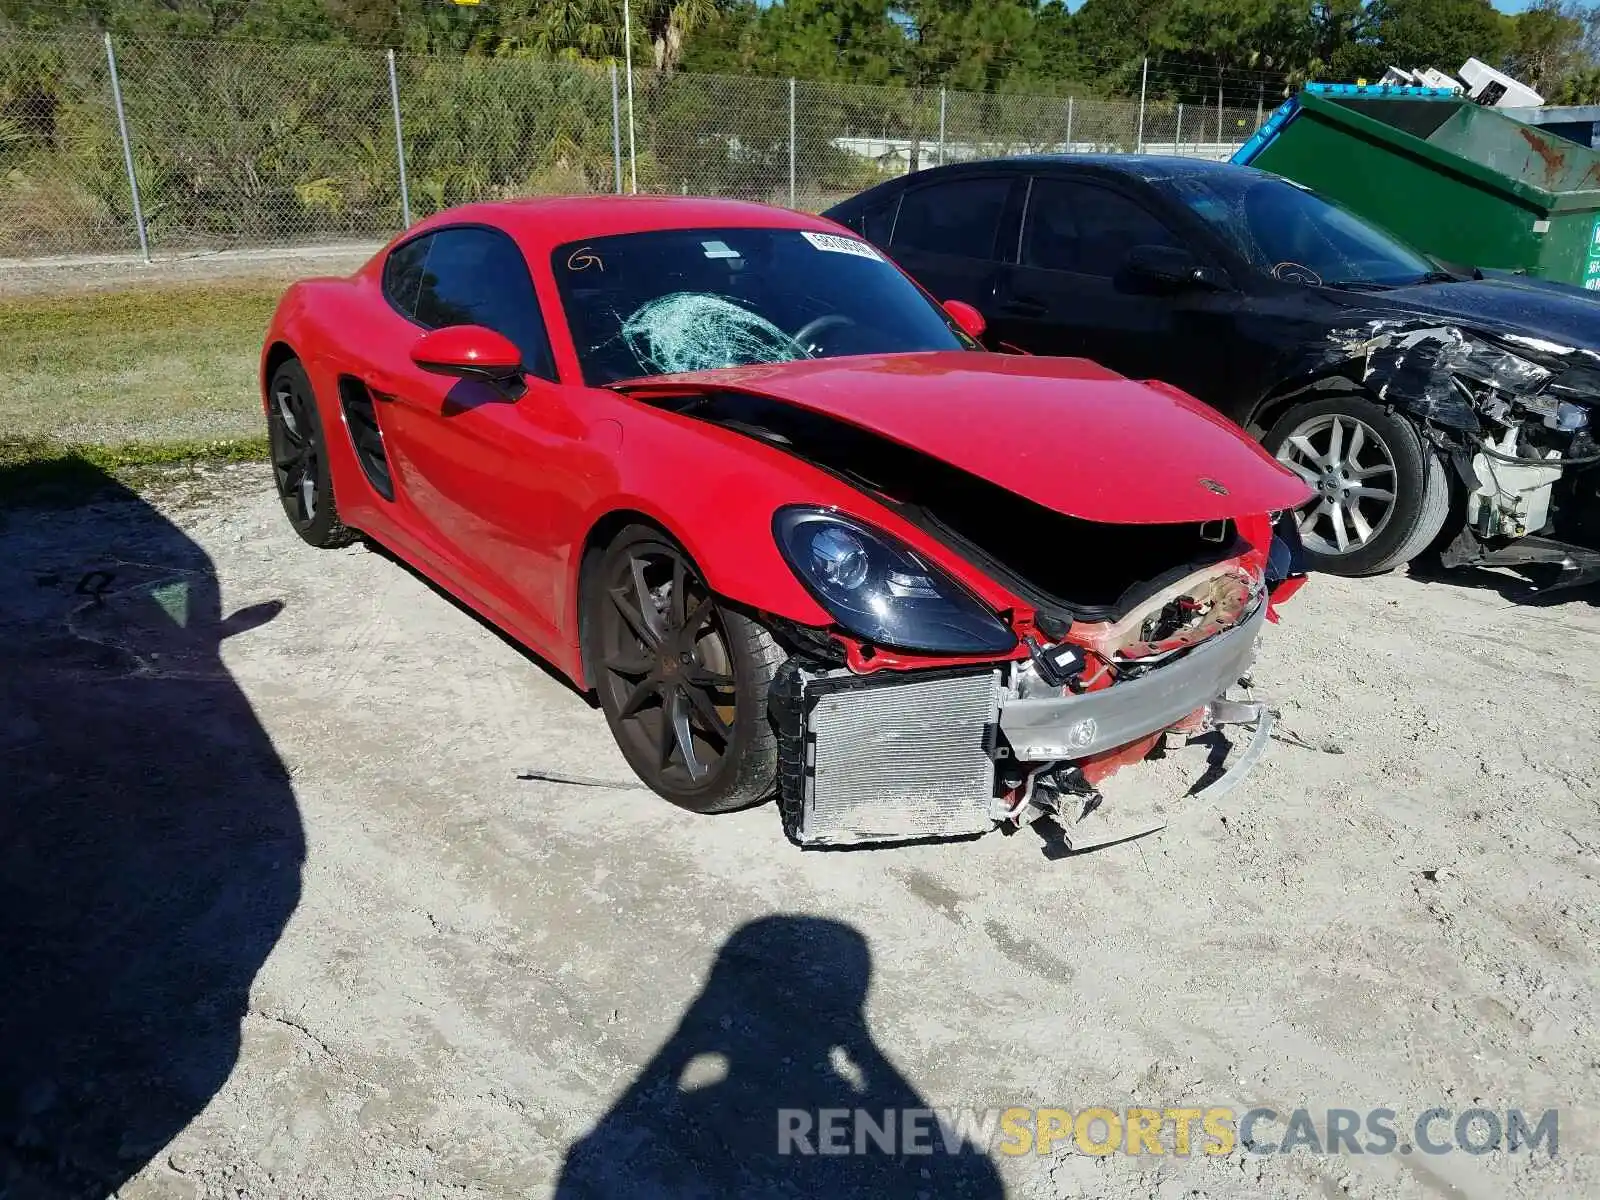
{"x": 282, "y": 920}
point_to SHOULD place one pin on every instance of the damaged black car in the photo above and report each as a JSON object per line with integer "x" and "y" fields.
{"x": 1428, "y": 404}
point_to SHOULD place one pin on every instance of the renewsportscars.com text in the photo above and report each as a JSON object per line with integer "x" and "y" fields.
{"x": 1178, "y": 1131}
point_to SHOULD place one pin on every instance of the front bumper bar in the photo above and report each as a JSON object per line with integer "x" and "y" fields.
{"x": 1082, "y": 834}
{"x": 1078, "y": 726}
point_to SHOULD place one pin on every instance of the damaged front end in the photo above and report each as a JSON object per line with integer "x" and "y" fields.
{"x": 1514, "y": 417}
{"x": 873, "y": 749}
{"x": 1108, "y": 553}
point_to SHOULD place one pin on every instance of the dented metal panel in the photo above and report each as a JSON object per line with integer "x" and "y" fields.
{"x": 1422, "y": 368}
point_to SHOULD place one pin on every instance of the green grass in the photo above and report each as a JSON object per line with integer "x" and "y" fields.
{"x": 148, "y": 369}
{"x": 41, "y": 471}
{"x": 106, "y": 388}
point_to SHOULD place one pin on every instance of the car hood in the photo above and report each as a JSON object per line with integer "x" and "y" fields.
{"x": 1064, "y": 433}
{"x": 1550, "y": 312}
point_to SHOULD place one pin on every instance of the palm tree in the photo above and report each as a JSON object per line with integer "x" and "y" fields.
{"x": 592, "y": 29}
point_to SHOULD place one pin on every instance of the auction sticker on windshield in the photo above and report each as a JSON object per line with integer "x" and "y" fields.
{"x": 840, "y": 245}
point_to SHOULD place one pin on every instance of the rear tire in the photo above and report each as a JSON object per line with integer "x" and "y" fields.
{"x": 300, "y": 459}
{"x": 682, "y": 678}
{"x": 1383, "y": 493}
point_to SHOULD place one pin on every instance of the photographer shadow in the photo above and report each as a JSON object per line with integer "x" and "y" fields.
{"x": 150, "y": 843}
{"x": 776, "y": 1037}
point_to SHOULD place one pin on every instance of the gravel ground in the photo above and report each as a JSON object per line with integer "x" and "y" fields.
{"x": 289, "y": 923}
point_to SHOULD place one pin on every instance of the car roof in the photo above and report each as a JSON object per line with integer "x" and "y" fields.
{"x": 548, "y": 221}
{"x": 1143, "y": 165}
{"x": 1148, "y": 167}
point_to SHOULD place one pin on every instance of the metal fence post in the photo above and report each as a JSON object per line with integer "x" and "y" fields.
{"x": 941, "y": 126}
{"x": 1219, "y": 114}
{"x": 1261, "y": 93}
{"x": 399, "y": 143}
{"x": 1069, "y": 146}
{"x": 627, "y": 50}
{"x": 791, "y": 142}
{"x": 1144, "y": 80}
{"x": 127, "y": 150}
{"x": 616, "y": 133}
{"x": 1177, "y": 138}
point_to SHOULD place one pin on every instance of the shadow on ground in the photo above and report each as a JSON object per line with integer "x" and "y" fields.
{"x": 150, "y": 847}
{"x": 1530, "y": 587}
{"x": 778, "y": 1026}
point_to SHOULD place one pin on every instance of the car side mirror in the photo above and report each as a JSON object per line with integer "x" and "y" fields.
{"x": 1169, "y": 269}
{"x": 967, "y": 318}
{"x": 471, "y": 352}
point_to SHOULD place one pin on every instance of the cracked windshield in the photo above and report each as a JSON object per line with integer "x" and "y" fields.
{"x": 694, "y": 300}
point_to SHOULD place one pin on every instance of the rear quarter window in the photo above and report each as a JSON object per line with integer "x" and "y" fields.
{"x": 876, "y": 223}
{"x": 402, "y": 274}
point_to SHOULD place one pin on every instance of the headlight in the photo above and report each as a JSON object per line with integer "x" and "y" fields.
{"x": 880, "y": 590}
{"x": 1569, "y": 417}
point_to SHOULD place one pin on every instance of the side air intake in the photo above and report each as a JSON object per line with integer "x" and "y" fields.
{"x": 361, "y": 419}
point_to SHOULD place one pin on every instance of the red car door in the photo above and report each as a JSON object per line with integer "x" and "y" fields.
{"x": 498, "y": 483}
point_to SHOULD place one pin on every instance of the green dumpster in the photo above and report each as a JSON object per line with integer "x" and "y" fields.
{"x": 1465, "y": 183}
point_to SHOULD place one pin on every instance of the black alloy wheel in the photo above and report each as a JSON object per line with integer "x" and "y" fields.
{"x": 299, "y": 459}
{"x": 682, "y": 680}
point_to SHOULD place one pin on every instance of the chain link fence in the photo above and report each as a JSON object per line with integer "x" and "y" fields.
{"x": 63, "y": 182}
{"x": 248, "y": 145}
{"x": 243, "y": 145}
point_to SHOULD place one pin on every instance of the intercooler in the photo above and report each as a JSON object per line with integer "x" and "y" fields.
{"x": 875, "y": 758}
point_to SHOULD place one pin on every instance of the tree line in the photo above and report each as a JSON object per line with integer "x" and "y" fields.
{"x": 1245, "y": 48}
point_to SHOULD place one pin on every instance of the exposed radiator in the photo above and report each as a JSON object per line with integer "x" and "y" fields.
{"x": 875, "y": 758}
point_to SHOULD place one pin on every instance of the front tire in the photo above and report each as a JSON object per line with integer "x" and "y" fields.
{"x": 300, "y": 459}
{"x": 682, "y": 678}
{"x": 1382, "y": 493}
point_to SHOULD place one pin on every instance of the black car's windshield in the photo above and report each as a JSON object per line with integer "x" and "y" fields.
{"x": 696, "y": 299}
{"x": 1295, "y": 235}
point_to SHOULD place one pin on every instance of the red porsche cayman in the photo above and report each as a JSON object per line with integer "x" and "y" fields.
{"x": 728, "y": 467}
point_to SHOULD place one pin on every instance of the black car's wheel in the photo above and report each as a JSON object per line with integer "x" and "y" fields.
{"x": 683, "y": 679}
{"x": 300, "y": 459}
{"x": 1382, "y": 493}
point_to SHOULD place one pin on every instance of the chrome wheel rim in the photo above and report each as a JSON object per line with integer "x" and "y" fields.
{"x": 1351, "y": 469}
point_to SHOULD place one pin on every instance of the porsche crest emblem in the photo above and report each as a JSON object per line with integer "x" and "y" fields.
{"x": 1211, "y": 485}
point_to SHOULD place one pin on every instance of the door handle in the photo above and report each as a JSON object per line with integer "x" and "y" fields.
{"x": 1024, "y": 306}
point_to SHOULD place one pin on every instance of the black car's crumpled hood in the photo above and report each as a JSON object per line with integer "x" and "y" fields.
{"x": 1555, "y": 313}
{"x": 1411, "y": 345}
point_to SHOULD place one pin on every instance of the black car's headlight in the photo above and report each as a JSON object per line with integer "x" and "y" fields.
{"x": 1543, "y": 390}
{"x": 881, "y": 590}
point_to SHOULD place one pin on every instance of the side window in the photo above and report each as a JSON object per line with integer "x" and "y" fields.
{"x": 960, "y": 217}
{"x": 479, "y": 277}
{"x": 1081, "y": 227}
{"x": 402, "y": 274}
{"x": 877, "y": 222}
